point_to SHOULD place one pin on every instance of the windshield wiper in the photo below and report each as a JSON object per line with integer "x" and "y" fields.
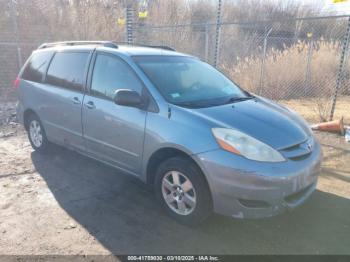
{"x": 197, "y": 104}
{"x": 207, "y": 103}
{"x": 239, "y": 99}
{"x": 188, "y": 104}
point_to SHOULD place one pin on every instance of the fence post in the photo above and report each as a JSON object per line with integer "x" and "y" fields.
{"x": 129, "y": 24}
{"x": 341, "y": 69}
{"x": 308, "y": 65}
{"x": 15, "y": 27}
{"x": 263, "y": 61}
{"x": 206, "y": 49}
{"x": 217, "y": 33}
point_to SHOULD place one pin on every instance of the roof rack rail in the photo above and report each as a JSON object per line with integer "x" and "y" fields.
{"x": 103, "y": 43}
{"x": 161, "y": 47}
{"x": 144, "y": 45}
{"x": 72, "y": 43}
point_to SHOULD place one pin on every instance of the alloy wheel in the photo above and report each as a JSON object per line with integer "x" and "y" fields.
{"x": 179, "y": 193}
{"x": 35, "y": 133}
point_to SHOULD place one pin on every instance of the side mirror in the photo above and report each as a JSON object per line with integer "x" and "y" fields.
{"x": 127, "y": 97}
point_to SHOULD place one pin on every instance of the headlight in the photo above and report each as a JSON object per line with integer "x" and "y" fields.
{"x": 247, "y": 146}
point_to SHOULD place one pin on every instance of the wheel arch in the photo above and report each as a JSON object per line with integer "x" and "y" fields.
{"x": 164, "y": 153}
{"x": 28, "y": 112}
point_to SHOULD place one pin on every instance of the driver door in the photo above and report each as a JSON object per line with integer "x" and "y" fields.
{"x": 113, "y": 133}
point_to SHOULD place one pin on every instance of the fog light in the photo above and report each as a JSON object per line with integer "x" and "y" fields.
{"x": 253, "y": 203}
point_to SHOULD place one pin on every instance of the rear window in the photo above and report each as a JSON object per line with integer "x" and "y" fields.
{"x": 36, "y": 67}
{"x": 67, "y": 70}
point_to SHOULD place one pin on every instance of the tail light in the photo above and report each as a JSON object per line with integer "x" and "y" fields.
{"x": 16, "y": 82}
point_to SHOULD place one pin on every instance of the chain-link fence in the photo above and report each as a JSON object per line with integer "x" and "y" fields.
{"x": 301, "y": 62}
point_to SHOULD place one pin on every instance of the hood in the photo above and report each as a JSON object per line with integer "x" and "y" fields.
{"x": 261, "y": 119}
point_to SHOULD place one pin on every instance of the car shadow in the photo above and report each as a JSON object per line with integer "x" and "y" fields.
{"x": 122, "y": 214}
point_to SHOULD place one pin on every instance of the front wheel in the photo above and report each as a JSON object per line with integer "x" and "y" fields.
{"x": 182, "y": 190}
{"x": 36, "y": 134}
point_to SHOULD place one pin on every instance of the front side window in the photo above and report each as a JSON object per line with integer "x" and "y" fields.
{"x": 67, "y": 70}
{"x": 189, "y": 82}
{"x": 36, "y": 67}
{"x": 110, "y": 74}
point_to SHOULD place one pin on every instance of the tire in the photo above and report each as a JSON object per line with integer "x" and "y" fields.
{"x": 36, "y": 134}
{"x": 188, "y": 203}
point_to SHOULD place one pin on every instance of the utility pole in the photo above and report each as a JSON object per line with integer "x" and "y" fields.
{"x": 129, "y": 24}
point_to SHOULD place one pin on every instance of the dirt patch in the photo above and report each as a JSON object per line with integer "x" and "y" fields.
{"x": 7, "y": 114}
{"x": 336, "y": 165}
{"x": 308, "y": 108}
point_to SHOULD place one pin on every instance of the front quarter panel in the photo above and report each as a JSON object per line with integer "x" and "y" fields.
{"x": 176, "y": 128}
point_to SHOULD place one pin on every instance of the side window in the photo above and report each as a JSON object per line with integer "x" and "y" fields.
{"x": 36, "y": 67}
{"x": 67, "y": 70}
{"x": 110, "y": 74}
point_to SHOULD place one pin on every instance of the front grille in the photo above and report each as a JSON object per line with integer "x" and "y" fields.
{"x": 300, "y": 158}
{"x": 298, "y": 151}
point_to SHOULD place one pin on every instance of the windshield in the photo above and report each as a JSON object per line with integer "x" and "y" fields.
{"x": 189, "y": 82}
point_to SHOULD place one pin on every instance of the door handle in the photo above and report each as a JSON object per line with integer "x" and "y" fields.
{"x": 90, "y": 105}
{"x": 76, "y": 100}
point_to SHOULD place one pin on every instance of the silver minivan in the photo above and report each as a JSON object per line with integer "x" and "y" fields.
{"x": 174, "y": 122}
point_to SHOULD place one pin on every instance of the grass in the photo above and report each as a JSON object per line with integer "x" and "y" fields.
{"x": 305, "y": 85}
{"x": 308, "y": 108}
{"x": 287, "y": 73}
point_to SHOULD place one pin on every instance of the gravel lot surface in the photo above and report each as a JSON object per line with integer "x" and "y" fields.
{"x": 64, "y": 203}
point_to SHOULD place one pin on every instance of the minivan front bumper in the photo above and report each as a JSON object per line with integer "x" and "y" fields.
{"x": 243, "y": 188}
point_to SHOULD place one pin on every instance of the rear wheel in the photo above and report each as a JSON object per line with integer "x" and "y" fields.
{"x": 36, "y": 134}
{"x": 182, "y": 190}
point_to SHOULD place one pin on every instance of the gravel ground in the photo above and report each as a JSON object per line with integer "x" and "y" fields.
{"x": 64, "y": 203}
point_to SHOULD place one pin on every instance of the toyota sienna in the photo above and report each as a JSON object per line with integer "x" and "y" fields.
{"x": 173, "y": 121}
